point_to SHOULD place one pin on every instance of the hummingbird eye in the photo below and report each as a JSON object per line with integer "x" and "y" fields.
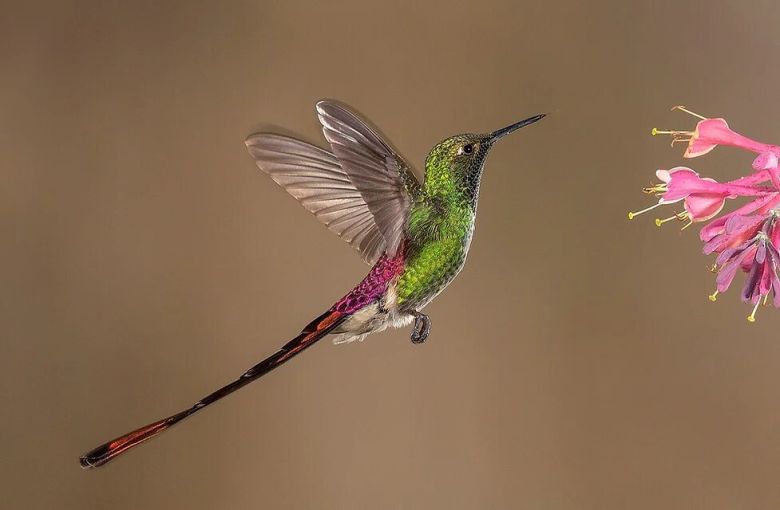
{"x": 466, "y": 149}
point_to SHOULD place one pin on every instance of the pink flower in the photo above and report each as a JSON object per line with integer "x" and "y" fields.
{"x": 703, "y": 198}
{"x": 745, "y": 239}
{"x": 709, "y": 133}
{"x": 758, "y": 257}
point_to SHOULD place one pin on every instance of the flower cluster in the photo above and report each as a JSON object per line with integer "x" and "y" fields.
{"x": 745, "y": 238}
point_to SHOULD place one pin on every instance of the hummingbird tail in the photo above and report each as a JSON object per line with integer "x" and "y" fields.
{"x": 316, "y": 330}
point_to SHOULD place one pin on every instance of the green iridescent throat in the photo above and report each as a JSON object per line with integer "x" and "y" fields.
{"x": 441, "y": 222}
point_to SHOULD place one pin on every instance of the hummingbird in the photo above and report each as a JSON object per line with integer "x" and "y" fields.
{"x": 415, "y": 236}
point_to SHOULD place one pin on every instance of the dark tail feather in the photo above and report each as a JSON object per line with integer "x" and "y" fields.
{"x": 317, "y": 329}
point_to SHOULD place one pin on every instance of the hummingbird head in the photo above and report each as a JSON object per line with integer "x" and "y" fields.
{"x": 455, "y": 164}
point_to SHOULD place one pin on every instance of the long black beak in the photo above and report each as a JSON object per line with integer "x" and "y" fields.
{"x": 495, "y": 135}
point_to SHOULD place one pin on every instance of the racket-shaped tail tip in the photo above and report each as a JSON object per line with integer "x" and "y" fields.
{"x": 316, "y": 330}
{"x": 107, "y": 451}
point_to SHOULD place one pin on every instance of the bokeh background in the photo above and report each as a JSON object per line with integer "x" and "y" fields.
{"x": 576, "y": 362}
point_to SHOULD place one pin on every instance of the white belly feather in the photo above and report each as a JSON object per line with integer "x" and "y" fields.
{"x": 373, "y": 318}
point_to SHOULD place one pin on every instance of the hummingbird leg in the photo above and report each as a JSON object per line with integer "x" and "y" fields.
{"x": 422, "y": 326}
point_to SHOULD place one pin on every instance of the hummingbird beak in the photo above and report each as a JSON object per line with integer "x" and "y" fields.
{"x": 495, "y": 135}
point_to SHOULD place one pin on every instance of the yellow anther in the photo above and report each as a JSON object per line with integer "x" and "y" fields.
{"x": 714, "y": 296}
{"x": 632, "y": 215}
{"x": 752, "y": 316}
{"x": 659, "y": 221}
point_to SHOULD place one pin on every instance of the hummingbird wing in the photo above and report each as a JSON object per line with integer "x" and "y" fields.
{"x": 384, "y": 180}
{"x": 316, "y": 179}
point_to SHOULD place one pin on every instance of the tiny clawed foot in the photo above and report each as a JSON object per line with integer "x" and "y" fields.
{"x": 422, "y": 326}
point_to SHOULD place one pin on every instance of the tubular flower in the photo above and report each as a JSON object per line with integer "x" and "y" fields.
{"x": 703, "y": 198}
{"x": 745, "y": 239}
{"x": 709, "y": 133}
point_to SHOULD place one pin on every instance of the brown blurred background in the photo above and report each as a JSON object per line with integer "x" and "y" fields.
{"x": 576, "y": 363}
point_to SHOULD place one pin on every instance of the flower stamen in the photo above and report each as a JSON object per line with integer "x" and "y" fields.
{"x": 656, "y": 131}
{"x": 752, "y": 316}
{"x": 632, "y": 215}
{"x": 659, "y": 221}
{"x": 714, "y": 296}
{"x": 656, "y": 189}
{"x": 677, "y": 136}
{"x": 684, "y": 109}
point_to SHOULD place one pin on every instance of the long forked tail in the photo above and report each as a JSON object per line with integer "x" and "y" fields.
{"x": 316, "y": 330}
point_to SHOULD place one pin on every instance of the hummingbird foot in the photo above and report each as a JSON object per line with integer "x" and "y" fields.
{"x": 421, "y": 329}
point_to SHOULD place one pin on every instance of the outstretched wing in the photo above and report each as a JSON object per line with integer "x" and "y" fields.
{"x": 316, "y": 179}
{"x": 383, "y": 178}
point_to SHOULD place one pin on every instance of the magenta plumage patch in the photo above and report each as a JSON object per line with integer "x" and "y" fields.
{"x": 373, "y": 285}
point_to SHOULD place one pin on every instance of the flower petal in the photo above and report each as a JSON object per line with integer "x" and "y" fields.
{"x": 664, "y": 175}
{"x": 729, "y": 270}
{"x": 747, "y": 260}
{"x": 765, "y": 161}
{"x": 761, "y": 252}
{"x": 751, "y": 291}
{"x": 775, "y": 290}
{"x": 706, "y": 137}
{"x": 710, "y": 133}
{"x": 702, "y": 207}
{"x": 774, "y": 238}
{"x": 765, "y": 285}
{"x": 737, "y": 230}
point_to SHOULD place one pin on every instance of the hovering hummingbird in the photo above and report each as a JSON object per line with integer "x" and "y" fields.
{"x": 415, "y": 236}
